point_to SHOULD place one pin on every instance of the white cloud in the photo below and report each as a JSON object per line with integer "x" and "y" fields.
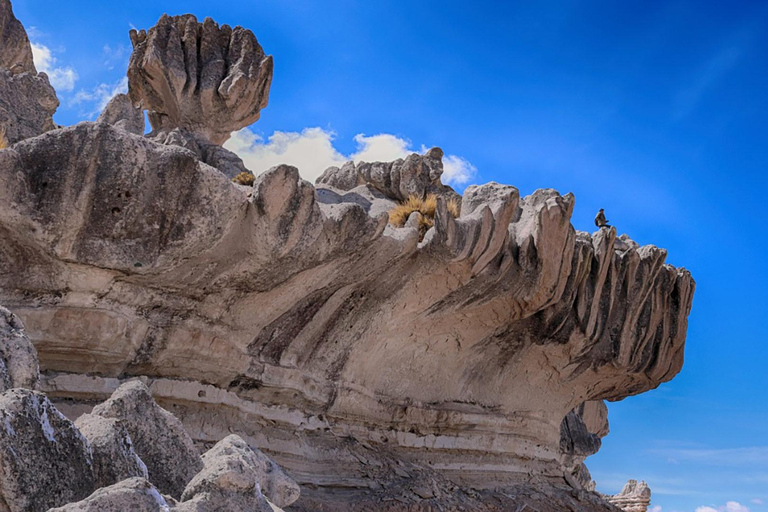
{"x": 312, "y": 152}
{"x": 655, "y": 508}
{"x": 731, "y": 506}
{"x": 757, "y": 501}
{"x": 98, "y": 97}
{"x": 62, "y": 78}
{"x": 114, "y": 55}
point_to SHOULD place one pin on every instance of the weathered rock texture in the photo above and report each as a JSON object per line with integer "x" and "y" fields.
{"x": 27, "y": 100}
{"x": 114, "y": 458}
{"x": 416, "y": 175}
{"x": 158, "y": 438}
{"x": 134, "y": 495}
{"x": 202, "y": 78}
{"x": 381, "y": 371}
{"x": 121, "y": 113}
{"x": 44, "y": 461}
{"x": 634, "y": 497}
{"x": 18, "y": 357}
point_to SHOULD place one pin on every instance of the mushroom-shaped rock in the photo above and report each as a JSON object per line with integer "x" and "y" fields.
{"x": 44, "y": 461}
{"x": 158, "y": 437}
{"x": 234, "y": 478}
{"x": 206, "y": 79}
{"x": 18, "y": 357}
{"x": 133, "y": 494}
{"x": 121, "y": 113}
{"x": 114, "y": 458}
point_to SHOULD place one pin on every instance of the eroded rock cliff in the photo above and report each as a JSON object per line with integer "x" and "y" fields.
{"x": 379, "y": 370}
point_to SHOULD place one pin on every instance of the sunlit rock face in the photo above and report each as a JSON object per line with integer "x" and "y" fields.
{"x": 380, "y": 370}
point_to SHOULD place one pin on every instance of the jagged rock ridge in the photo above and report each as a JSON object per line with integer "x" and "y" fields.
{"x": 379, "y": 370}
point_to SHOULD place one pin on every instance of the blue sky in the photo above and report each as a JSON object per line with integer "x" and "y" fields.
{"x": 655, "y": 111}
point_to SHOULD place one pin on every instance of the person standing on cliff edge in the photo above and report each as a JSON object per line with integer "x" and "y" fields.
{"x": 600, "y": 219}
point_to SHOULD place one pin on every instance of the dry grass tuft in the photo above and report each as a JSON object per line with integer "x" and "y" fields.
{"x": 3, "y": 139}
{"x": 398, "y": 215}
{"x": 244, "y": 178}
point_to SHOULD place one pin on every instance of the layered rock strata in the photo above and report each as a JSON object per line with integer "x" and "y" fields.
{"x": 379, "y": 370}
{"x": 634, "y": 497}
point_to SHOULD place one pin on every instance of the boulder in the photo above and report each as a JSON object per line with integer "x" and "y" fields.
{"x": 44, "y": 460}
{"x": 233, "y": 478}
{"x": 158, "y": 437}
{"x": 634, "y": 497}
{"x": 18, "y": 357}
{"x": 15, "y": 50}
{"x": 121, "y": 113}
{"x": 114, "y": 458}
{"x": 133, "y": 494}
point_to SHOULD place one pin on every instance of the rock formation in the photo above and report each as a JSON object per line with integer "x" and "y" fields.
{"x": 27, "y": 100}
{"x": 634, "y": 497}
{"x": 380, "y": 371}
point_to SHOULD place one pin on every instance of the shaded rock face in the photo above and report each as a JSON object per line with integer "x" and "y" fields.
{"x": 27, "y": 100}
{"x": 634, "y": 497}
{"x": 134, "y": 494}
{"x": 158, "y": 437}
{"x": 114, "y": 458}
{"x": 18, "y": 357}
{"x": 417, "y": 175}
{"x": 205, "y": 79}
{"x": 44, "y": 461}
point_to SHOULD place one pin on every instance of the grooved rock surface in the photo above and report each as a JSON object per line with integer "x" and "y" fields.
{"x": 44, "y": 461}
{"x": 18, "y": 357}
{"x": 158, "y": 437}
{"x": 203, "y": 78}
{"x": 114, "y": 458}
{"x": 133, "y": 494}
{"x": 634, "y": 497}
{"x": 233, "y": 478}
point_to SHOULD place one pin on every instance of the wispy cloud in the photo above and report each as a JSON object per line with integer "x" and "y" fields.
{"x": 62, "y": 78}
{"x": 94, "y": 100}
{"x": 312, "y": 152}
{"x": 731, "y": 506}
{"x": 116, "y": 55}
{"x": 752, "y": 456}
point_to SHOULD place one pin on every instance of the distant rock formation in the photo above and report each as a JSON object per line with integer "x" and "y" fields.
{"x": 634, "y": 497}
{"x": 27, "y": 100}
{"x": 380, "y": 370}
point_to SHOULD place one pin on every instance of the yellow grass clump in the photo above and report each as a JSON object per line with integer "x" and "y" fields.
{"x": 244, "y": 178}
{"x": 3, "y": 139}
{"x": 398, "y": 215}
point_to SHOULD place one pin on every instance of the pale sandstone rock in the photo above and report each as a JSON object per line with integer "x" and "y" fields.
{"x": 634, "y": 497}
{"x": 121, "y": 113}
{"x": 44, "y": 461}
{"x": 133, "y": 494}
{"x": 234, "y": 477}
{"x": 203, "y": 78}
{"x": 158, "y": 437}
{"x": 16, "y": 54}
{"x": 114, "y": 458}
{"x": 18, "y": 357}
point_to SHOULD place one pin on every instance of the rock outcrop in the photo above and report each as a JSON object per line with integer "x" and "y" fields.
{"x": 158, "y": 438}
{"x": 44, "y": 460}
{"x": 134, "y": 495}
{"x": 634, "y": 497}
{"x": 27, "y": 100}
{"x": 121, "y": 113}
{"x": 380, "y": 371}
{"x": 18, "y": 358}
